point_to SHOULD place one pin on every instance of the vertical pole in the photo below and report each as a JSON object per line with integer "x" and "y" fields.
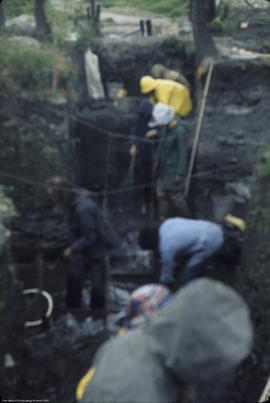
{"x": 152, "y": 185}
{"x": 266, "y": 392}
{"x": 149, "y": 30}
{"x": 2, "y": 16}
{"x": 88, "y": 11}
{"x": 93, "y": 6}
{"x": 55, "y": 79}
{"x": 97, "y": 16}
{"x": 105, "y": 212}
{"x": 142, "y": 27}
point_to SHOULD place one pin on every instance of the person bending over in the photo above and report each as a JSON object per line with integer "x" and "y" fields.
{"x": 183, "y": 245}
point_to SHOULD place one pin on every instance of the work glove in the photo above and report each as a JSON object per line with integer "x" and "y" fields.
{"x": 177, "y": 179}
{"x": 151, "y": 133}
{"x": 133, "y": 151}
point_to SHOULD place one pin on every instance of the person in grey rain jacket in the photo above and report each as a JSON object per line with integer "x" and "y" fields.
{"x": 91, "y": 236}
{"x": 197, "y": 339}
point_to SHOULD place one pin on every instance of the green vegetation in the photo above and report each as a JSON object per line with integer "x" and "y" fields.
{"x": 25, "y": 68}
{"x": 87, "y": 33}
{"x": 7, "y": 212}
{"x": 263, "y": 168}
{"x": 62, "y": 21}
{"x": 265, "y": 19}
{"x": 31, "y": 69}
{"x": 171, "y": 8}
{"x": 13, "y": 8}
{"x": 7, "y": 208}
{"x": 227, "y": 19}
{"x": 230, "y": 23}
{"x": 172, "y": 46}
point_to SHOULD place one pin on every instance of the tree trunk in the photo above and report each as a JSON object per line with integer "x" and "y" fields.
{"x": 43, "y": 27}
{"x": 2, "y": 16}
{"x": 201, "y": 13}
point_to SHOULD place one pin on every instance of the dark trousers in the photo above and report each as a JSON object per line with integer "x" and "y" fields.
{"x": 79, "y": 267}
{"x": 171, "y": 203}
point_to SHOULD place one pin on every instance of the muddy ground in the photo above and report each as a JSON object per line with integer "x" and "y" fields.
{"x": 236, "y": 124}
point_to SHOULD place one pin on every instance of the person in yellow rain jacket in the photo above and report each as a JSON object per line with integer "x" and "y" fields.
{"x": 168, "y": 92}
{"x": 162, "y": 72}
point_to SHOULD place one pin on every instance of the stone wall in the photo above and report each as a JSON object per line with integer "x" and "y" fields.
{"x": 34, "y": 145}
{"x": 255, "y": 273}
{"x": 11, "y": 317}
{"x": 127, "y": 62}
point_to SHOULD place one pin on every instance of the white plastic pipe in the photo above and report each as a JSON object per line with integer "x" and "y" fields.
{"x": 49, "y": 300}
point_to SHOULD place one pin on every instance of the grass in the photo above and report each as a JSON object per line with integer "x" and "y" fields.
{"x": 171, "y": 8}
{"x": 30, "y": 69}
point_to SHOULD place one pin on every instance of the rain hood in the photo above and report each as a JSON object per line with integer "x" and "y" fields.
{"x": 199, "y": 337}
{"x": 204, "y": 333}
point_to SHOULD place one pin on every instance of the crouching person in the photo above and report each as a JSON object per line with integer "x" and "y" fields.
{"x": 91, "y": 237}
{"x": 142, "y": 304}
{"x": 183, "y": 246}
{"x": 197, "y": 339}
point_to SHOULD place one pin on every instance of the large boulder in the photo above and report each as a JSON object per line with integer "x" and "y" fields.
{"x": 27, "y": 41}
{"x": 24, "y": 24}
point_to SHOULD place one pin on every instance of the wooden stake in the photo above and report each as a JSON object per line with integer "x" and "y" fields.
{"x": 266, "y": 392}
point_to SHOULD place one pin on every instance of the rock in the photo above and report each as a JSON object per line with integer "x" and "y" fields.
{"x": 223, "y": 205}
{"x": 91, "y": 327}
{"x": 68, "y": 321}
{"x": 241, "y": 190}
{"x": 23, "y": 24}
{"x": 138, "y": 262}
{"x": 94, "y": 83}
{"x": 67, "y": 333}
{"x": 222, "y": 140}
{"x": 71, "y": 37}
{"x": 127, "y": 104}
{"x": 113, "y": 88}
{"x": 27, "y": 41}
{"x": 241, "y": 143}
{"x": 239, "y": 135}
{"x": 233, "y": 202}
{"x": 10, "y": 123}
{"x": 236, "y": 110}
{"x": 117, "y": 297}
{"x": 227, "y": 141}
{"x": 9, "y": 361}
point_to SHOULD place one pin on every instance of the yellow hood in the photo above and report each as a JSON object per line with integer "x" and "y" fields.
{"x": 147, "y": 84}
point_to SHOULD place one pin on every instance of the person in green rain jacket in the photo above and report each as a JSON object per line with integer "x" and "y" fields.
{"x": 171, "y": 162}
